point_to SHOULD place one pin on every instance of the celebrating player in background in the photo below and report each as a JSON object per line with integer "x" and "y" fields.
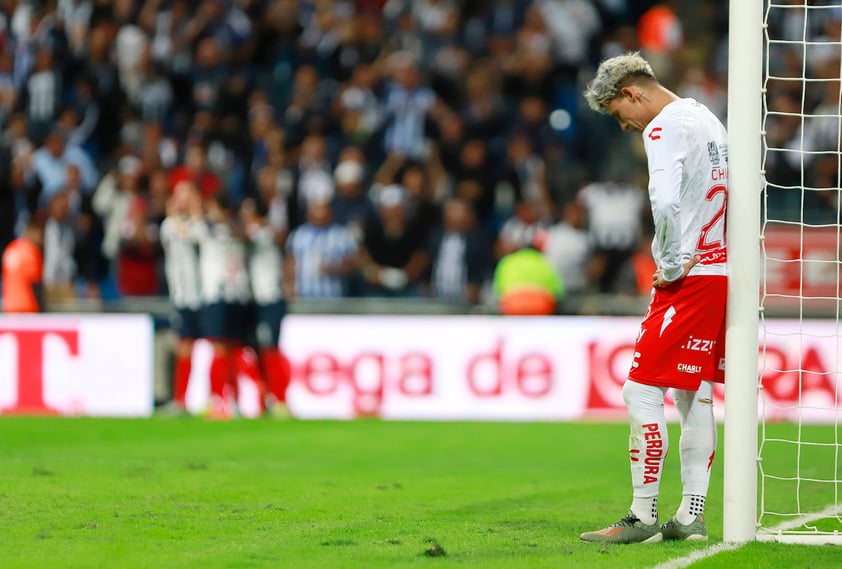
{"x": 226, "y": 295}
{"x": 681, "y": 340}
{"x": 265, "y": 273}
{"x": 180, "y": 231}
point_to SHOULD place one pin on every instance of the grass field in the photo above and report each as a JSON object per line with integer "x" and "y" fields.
{"x": 178, "y": 493}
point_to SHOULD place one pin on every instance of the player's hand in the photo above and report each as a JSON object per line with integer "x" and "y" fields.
{"x": 658, "y": 280}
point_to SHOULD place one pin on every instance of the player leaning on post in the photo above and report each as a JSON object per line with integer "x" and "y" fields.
{"x": 682, "y": 337}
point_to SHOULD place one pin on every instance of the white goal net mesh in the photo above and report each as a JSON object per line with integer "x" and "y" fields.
{"x": 800, "y": 408}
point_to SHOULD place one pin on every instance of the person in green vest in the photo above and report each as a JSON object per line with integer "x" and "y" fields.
{"x": 526, "y": 284}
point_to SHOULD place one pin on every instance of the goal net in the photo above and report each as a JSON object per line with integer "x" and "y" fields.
{"x": 799, "y": 459}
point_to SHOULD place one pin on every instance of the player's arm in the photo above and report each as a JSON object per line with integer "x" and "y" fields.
{"x": 666, "y": 150}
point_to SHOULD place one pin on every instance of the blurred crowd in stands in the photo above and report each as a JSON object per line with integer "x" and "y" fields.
{"x": 439, "y": 135}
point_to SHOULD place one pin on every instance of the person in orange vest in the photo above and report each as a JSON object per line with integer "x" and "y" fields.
{"x": 22, "y": 270}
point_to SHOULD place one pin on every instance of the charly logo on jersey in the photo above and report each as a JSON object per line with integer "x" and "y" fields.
{"x": 713, "y": 153}
{"x": 653, "y": 134}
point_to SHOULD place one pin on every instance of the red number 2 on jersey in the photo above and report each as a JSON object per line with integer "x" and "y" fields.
{"x": 704, "y": 244}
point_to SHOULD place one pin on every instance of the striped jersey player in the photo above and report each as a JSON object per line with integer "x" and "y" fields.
{"x": 180, "y": 232}
{"x": 265, "y": 267}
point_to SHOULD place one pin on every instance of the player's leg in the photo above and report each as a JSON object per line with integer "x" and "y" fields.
{"x": 696, "y": 450}
{"x": 648, "y": 445}
{"x": 188, "y": 329}
{"x": 213, "y": 325}
{"x": 276, "y": 366}
{"x": 246, "y": 363}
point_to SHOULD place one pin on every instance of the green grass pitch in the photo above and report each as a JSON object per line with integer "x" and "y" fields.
{"x": 184, "y": 493}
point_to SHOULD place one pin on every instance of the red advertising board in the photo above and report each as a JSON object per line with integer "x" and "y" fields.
{"x": 801, "y": 268}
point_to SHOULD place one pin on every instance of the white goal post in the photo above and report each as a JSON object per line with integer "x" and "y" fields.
{"x": 775, "y": 43}
{"x": 745, "y": 50}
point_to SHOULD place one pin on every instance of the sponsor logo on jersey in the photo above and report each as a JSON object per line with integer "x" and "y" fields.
{"x": 713, "y": 153}
{"x": 653, "y": 134}
{"x": 689, "y": 368}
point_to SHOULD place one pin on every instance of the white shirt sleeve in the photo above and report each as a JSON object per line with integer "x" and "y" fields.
{"x": 666, "y": 150}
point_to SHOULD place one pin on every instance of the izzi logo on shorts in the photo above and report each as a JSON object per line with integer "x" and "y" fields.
{"x": 699, "y": 345}
{"x": 689, "y": 368}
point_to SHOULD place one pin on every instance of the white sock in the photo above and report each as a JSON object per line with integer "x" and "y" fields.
{"x": 646, "y": 509}
{"x": 691, "y": 506}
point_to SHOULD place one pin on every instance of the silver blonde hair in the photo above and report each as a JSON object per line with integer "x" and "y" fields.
{"x": 612, "y": 75}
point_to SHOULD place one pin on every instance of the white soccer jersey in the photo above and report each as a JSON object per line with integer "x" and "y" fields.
{"x": 179, "y": 238}
{"x": 223, "y": 265}
{"x": 265, "y": 265}
{"x": 687, "y": 150}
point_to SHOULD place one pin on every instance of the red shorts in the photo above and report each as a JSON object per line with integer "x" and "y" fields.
{"x": 682, "y": 337}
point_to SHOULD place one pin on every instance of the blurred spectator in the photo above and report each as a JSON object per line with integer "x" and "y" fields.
{"x": 22, "y": 271}
{"x": 306, "y": 109}
{"x": 436, "y": 22}
{"x": 637, "y": 275}
{"x": 615, "y": 212}
{"x": 59, "y": 245}
{"x": 113, "y": 202}
{"x": 8, "y": 92}
{"x": 567, "y": 247}
{"x": 527, "y": 285}
{"x": 195, "y": 169}
{"x": 525, "y": 172}
{"x": 660, "y": 32}
{"x": 313, "y": 176}
{"x": 138, "y": 256}
{"x": 392, "y": 257}
{"x": 361, "y": 112}
{"x": 208, "y": 74}
{"x": 320, "y": 254}
{"x": 273, "y": 189}
{"x": 572, "y": 25}
{"x": 92, "y": 266}
{"x": 41, "y": 96}
{"x": 520, "y": 230}
{"x": 423, "y": 211}
{"x": 48, "y": 173}
{"x": 475, "y": 180}
{"x": 459, "y": 255}
{"x": 484, "y": 113}
{"x": 75, "y": 16}
{"x": 408, "y": 101}
{"x": 8, "y": 205}
{"x": 155, "y": 97}
{"x": 351, "y": 205}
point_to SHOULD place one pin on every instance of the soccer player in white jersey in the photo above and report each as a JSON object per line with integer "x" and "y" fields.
{"x": 265, "y": 264}
{"x": 180, "y": 231}
{"x": 680, "y": 344}
{"x": 226, "y": 295}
